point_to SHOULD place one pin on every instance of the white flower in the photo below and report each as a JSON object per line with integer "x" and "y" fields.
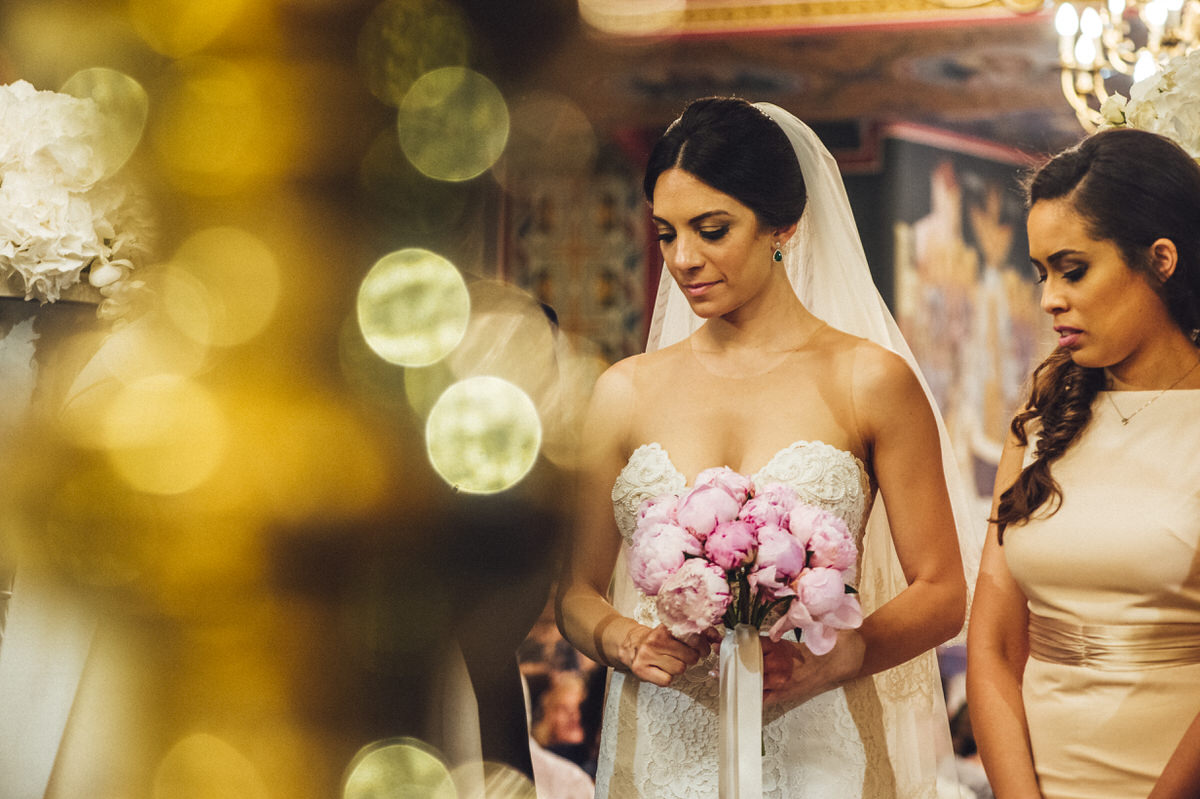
{"x": 59, "y": 214}
{"x": 57, "y": 136}
{"x": 1168, "y": 103}
{"x": 1113, "y": 110}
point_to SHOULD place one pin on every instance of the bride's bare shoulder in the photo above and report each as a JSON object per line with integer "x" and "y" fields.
{"x": 621, "y": 382}
{"x": 873, "y": 367}
{"x": 626, "y": 368}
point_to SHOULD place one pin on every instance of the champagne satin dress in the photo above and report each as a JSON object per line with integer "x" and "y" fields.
{"x": 1113, "y": 583}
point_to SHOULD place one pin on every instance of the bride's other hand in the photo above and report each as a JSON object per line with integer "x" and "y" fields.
{"x": 656, "y": 656}
{"x": 792, "y": 674}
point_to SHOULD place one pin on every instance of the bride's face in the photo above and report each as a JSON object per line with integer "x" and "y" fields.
{"x": 712, "y": 244}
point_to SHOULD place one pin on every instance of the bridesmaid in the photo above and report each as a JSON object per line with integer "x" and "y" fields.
{"x": 1083, "y": 673}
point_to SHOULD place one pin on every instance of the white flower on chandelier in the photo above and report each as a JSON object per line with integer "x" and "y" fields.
{"x": 59, "y": 213}
{"x": 1167, "y": 103}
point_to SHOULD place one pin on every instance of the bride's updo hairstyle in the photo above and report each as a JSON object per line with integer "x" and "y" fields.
{"x": 738, "y": 150}
{"x": 1131, "y": 187}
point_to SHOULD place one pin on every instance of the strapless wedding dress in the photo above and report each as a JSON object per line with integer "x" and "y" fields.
{"x": 663, "y": 742}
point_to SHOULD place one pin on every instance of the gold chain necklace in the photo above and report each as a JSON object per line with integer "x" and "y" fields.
{"x": 1125, "y": 419}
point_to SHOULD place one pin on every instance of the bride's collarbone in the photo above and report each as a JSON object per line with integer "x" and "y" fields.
{"x": 811, "y": 354}
{"x": 750, "y": 365}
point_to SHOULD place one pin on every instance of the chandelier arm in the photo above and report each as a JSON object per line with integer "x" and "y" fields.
{"x": 1121, "y": 59}
{"x": 1088, "y": 117}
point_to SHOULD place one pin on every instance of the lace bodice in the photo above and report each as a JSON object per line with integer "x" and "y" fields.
{"x": 824, "y": 475}
{"x": 661, "y": 742}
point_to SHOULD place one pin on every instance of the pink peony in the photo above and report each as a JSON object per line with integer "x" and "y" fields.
{"x": 657, "y": 552}
{"x": 694, "y": 598}
{"x": 818, "y": 637}
{"x": 731, "y": 544}
{"x": 796, "y": 617}
{"x": 831, "y": 543}
{"x": 658, "y": 509}
{"x": 780, "y": 559}
{"x": 769, "y": 505}
{"x": 804, "y": 520}
{"x": 704, "y": 507}
{"x": 820, "y": 608}
{"x": 735, "y": 484}
{"x": 821, "y": 590}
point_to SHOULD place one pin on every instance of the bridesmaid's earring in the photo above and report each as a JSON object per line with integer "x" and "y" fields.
{"x": 778, "y": 256}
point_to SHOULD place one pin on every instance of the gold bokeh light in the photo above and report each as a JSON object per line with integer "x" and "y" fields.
{"x": 509, "y": 336}
{"x": 235, "y": 290}
{"x": 187, "y": 304}
{"x": 179, "y": 27}
{"x": 325, "y": 461}
{"x": 203, "y": 766}
{"x": 483, "y": 435}
{"x": 220, "y": 126}
{"x": 551, "y": 138}
{"x": 422, "y": 387}
{"x": 124, "y": 106}
{"x": 401, "y": 767}
{"x": 453, "y": 124}
{"x": 413, "y": 307}
{"x": 403, "y": 39}
{"x": 164, "y": 434}
{"x": 404, "y": 196}
{"x": 144, "y": 348}
{"x": 580, "y": 365}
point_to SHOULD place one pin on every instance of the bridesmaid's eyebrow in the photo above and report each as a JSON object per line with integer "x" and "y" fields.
{"x": 1056, "y": 257}
{"x": 695, "y": 220}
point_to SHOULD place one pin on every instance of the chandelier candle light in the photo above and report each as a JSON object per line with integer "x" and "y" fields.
{"x": 1101, "y": 40}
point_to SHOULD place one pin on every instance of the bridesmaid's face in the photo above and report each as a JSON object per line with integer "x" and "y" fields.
{"x": 711, "y": 243}
{"x": 1104, "y": 312}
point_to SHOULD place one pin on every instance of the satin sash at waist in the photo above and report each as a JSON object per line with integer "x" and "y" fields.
{"x": 1114, "y": 647}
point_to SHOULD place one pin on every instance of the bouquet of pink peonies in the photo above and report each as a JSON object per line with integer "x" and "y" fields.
{"x": 730, "y": 551}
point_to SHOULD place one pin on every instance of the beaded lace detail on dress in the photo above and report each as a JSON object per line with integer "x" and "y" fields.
{"x": 662, "y": 742}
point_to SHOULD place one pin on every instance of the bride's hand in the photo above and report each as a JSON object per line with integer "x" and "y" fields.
{"x": 793, "y": 674}
{"x": 656, "y": 656}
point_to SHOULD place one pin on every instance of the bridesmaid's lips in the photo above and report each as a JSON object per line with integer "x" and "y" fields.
{"x": 1068, "y": 336}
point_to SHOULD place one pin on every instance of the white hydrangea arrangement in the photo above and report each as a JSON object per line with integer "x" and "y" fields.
{"x": 1167, "y": 103}
{"x": 63, "y": 217}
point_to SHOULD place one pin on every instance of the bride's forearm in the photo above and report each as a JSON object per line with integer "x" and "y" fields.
{"x": 922, "y": 616}
{"x": 595, "y": 627}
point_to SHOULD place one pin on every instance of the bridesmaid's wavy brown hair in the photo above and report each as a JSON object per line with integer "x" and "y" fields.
{"x": 1131, "y": 187}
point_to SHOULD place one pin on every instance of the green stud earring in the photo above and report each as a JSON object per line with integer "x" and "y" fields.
{"x": 778, "y": 256}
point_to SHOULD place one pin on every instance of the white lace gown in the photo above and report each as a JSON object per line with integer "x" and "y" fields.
{"x": 663, "y": 742}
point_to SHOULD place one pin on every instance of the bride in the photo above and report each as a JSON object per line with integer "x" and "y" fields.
{"x": 756, "y": 362}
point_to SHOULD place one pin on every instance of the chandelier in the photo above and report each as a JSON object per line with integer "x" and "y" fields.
{"x": 1102, "y": 45}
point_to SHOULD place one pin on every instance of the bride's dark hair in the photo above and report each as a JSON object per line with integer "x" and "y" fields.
{"x": 730, "y": 145}
{"x": 1130, "y": 187}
